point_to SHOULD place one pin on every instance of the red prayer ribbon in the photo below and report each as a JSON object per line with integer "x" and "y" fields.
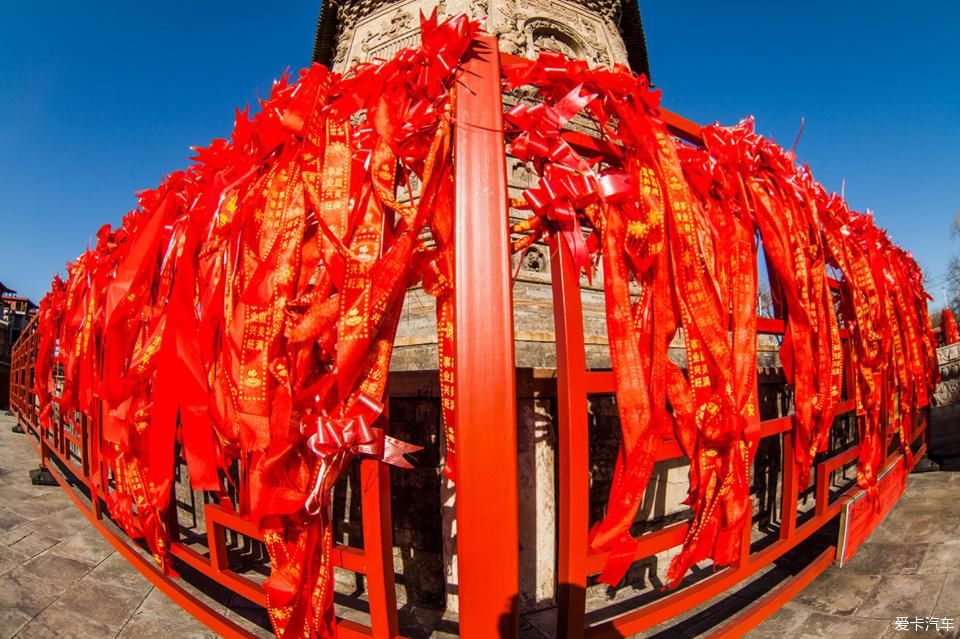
{"x": 247, "y": 308}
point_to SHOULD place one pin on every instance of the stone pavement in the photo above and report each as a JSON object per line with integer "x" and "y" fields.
{"x": 59, "y": 578}
{"x": 909, "y": 567}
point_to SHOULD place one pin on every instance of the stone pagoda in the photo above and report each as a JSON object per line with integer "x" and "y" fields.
{"x": 600, "y": 31}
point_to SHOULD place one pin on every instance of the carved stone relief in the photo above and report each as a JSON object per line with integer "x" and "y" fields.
{"x": 377, "y": 28}
{"x": 509, "y": 30}
{"x": 535, "y": 260}
{"x": 400, "y": 22}
{"x": 948, "y": 390}
{"x": 553, "y": 38}
{"x": 370, "y": 29}
{"x": 527, "y": 26}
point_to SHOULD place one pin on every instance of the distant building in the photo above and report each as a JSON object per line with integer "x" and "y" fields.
{"x": 15, "y": 313}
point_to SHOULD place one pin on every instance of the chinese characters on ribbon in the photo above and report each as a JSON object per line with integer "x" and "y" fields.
{"x": 683, "y": 225}
{"x": 247, "y": 308}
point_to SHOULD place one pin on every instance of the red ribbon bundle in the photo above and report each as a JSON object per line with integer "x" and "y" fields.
{"x": 949, "y": 327}
{"x": 248, "y": 307}
{"x": 681, "y": 223}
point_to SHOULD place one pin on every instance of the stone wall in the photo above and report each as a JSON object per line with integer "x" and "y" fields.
{"x": 371, "y": 29}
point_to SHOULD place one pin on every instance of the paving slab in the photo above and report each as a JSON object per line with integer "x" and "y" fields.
{"x": 906, "y": 595}
{"x": 115, "y": 570}
{"x": 889, "y": 559}
{"x": 58, "y": 571}
{"x": 63, "y": 622}
{"x": 143, "y": 626}
{"x": 10, "y": 558}
{"x": 24, "y": 591}
{"x": 10, "y": 520}
{"x": 948, "y": 603}
{"x": 838, "y": 592}
{"x": 158, "y": 616}
{"x": 108, "y": 604}
{"x": 934, "y": 528}
{"x": 59, "y": 577}
{"x": 941, "y": 559}
{"x": 823, "y": 626}
{"x": 914, "y": 556}
{"x": 87, "y": 545}
{"x": 12, "y": 620}
{"x": 32, "y": 543}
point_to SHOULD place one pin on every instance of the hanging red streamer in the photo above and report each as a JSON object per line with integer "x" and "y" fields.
{"x": 684, "y": 224}
{"x": 247, "y": 308}
{"x": 949, "y": 327}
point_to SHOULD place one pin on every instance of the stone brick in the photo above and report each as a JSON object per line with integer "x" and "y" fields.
{"x": 32, "y": 544}
{"x": 86, "y": 545}
{"x": 25, "y": 592}
{"x": 64, "y": 623}
{"x": 58, "y": 571}
{"x": 838, "y": 592}
{"x": 880, "y": 558}
{"x": 902, "y": 595}
{"x": 106, "y": 604}
{"x": 117, "y": 571}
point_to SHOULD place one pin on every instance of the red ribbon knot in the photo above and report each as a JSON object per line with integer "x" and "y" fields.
{"x": 353, "y": 433}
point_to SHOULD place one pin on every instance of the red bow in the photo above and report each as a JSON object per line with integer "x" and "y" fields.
{"x": 354, "y": 434}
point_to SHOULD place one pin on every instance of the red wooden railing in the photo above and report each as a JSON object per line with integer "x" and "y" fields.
{"x": 486, "y": 490}
{"x": 576, "y": 561}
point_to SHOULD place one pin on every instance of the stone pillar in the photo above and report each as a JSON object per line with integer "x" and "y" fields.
{"x": 945, "y": 413}
{"x": 536, "y": 443}
{"x": 448, "y": 514}
{"x": 537, "y": 498}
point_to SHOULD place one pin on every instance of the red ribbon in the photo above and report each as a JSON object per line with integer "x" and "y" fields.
{"x": 949, "y": 325}
{"x": 353, "y": 433}
{"x": 680, "y": 222}
{"x": 261, "y": 289}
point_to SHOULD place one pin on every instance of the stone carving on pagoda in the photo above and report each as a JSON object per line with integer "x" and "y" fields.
{"x": 575, "y": 29}
{"x": 948, "y": 390}
{"x": 370, "y": 29}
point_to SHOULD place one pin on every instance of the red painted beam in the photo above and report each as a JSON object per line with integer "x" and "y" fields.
{"x": 486, "y": 426}
{"x": 573, "y": 384}
{"x": 774, "y": 600}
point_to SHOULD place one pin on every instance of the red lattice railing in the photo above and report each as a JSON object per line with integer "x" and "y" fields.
{"x": 487, "y": 491}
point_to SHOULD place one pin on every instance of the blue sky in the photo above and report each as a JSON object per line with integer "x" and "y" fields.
{"x": 102, "y": 99}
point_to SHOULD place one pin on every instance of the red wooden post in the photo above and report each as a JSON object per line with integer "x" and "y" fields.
{"x": 378, "y": 545}
{"x": 486, "y": 428}
{"x": 747, "y": 538}
{"x": 788, "y": 499}
{"x": 97, "y": 469}
{"x": 573, "y": 444}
